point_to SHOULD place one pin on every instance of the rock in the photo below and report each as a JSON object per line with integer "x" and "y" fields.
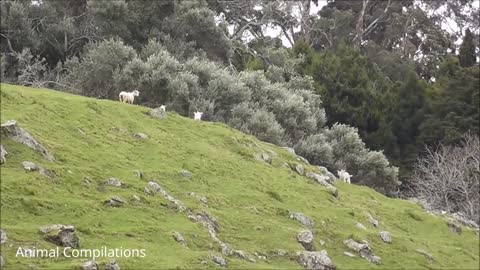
{"x": 140, "y": 135}
{"x": 346, "y": 253}
{"x": 3, "y": 236}
{"x": 360, "y": 226}
{"x": 289, "y": 149}
{"x": 154, "y": 187}
{"x": 239, "y": 253}
{"x": 30, "y": 166}
{"x": 90, "y": 265}
{"x": 321, "y": 179}
{"x": 158, "y": 113}
{"x": 113, "y": 182}
{"x": 112, "y": 265}
{"x": 333, "y": 191}
{"x": 305, "y": 238}
{"x": 372, "y": 221}
{"x": 226, "y": 250}
{"x": 55, "y": 227}
{"x": 364, "y": 250}
{"x": 252, "y": 260}
{"x": 299, "y": 169}
{"x": 203, "y": 199}
{"x": 186, "y": 174}
{"x": 326, "y": 172}
{"x": 219, "y": 260}
{"x": 66, "y": 237}
{"x": 12, "y": 130}
{"x": 315, "y": 260}
{"x": 138, "y": 174}
{"x": 386, "y": 237}
{"x": 280, "y": 252}
{"x": 46, "y": 172}
{"x": 3, "y": 154}
{"x": 303, "y": 219}
{"x": 302, "y": 159}
{"x": 426, "y": 254}
{"x": 115, "y": 201}
{"x": 267, "y": 158}
{"x": 179, "y": 238}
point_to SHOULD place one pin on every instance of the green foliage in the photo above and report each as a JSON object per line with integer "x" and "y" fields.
{"x": 467, "y": 55}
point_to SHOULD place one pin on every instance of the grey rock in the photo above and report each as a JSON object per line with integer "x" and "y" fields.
{"x": 112, "y": 265}
{"x": 302, "y": 159}
{"x": 305, "y": 238}
{"x": 179, "y": 238}
{"x": 115, "y": 201}
{"x": 30, "y": 166}
{"x": 140, "y": 135}
{"x": 219, "y": 260}
{"x": 346, "y": 253}
{"x": 186, "y": 174}
{"x": 303, "y": 219}
{"x": 372, "y": 221}
{"x": 327, "y": 173}
{"x": 55, "y": 227}
{"x": 426, "y": 254}
{"x": 240, "y": 254}
{"x": 315, "y": 260}
{"x": 386, "y": 237}
{"x": 90, "y": 265}
{"x": 138, "y": 174}
{"x": 299, "y": 169}
{"x": 289, "y": 149}
{"x": 113, "y": 182}
{"x": 3, "y": 236}
{"x": 333, "y": 191}
{"x": 226, "y": 250}
{"x": 364, "y": 250}
{"x": 361, "y": 226}
{"x": 66, "y": 237}
{"x": 280, "y": 252}
{"x": 158, "y": 113}
{"x": 3, "y": 154}
{"x": 154, "y": 187}
{"x": 321, "y": 179}
{"x": 203, "y": 199}
{"x": 46, "y": 172}
{"x": 267, "y": 158}
{"x": 12, "y": 130}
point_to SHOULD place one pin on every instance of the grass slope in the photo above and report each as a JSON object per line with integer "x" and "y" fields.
{"x": 250, "y": 198}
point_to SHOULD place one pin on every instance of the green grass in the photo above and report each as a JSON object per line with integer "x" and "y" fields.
{"x": 250, "y": 199}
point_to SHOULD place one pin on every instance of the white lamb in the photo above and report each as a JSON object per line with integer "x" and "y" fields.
{"x": 128, "y": 97}
{"x": 198, "y": 116}
{"x": 163, "y": 108}
{"x": 344, "y": 176}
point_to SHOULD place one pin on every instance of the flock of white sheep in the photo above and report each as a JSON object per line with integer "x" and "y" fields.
{"x": 129, "y": 97}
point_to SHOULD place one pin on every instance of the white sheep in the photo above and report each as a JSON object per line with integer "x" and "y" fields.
{"x": 128, "y": 97}
{"x": 344, "y": 176}
{"x": 198, "y": 115}
{"x": 163, "y": 108}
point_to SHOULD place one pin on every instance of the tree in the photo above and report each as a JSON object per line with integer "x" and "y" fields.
{"x": 467, "y": 50}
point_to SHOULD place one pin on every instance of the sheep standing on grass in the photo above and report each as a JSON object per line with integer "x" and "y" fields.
{"x": 198, "y": 116}
{"x": 128, "y": 97}
{"x": 163, "y": 108}
{"x": 344, "y": 176}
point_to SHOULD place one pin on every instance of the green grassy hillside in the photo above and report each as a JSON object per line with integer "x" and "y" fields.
{"x": 250, "y": 198}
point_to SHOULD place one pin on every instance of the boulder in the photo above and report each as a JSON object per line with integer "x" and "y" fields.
{"x": 302, "y": 159}
{"x": 186, "y": 174}
{"x": 113, "y": 182}
{"x": 65, "y": 237}
{"x": 54, "y": 227}
{"x": 303, "y": 219}
{"x": 290, "y": 150}
{"x": 299, "y": 169}
{"x": 179, "y": 238}
{"x": 3, "y": 236}
{"x": 305, "y": 238}
{"x": 321, "y": 179}
{"x": 267, "y": 158}
{"x": 386, "y": 237}
{"x": 158, "y": 113}
{"x": 219, "y": 260}
{"x": 3, "y": 154}
{"x": 112, "y": 265}
{"x": 115, "y": 201}
{"x": 30, "y": 166}
{"x": 12, "y": 130}
{"x": 203, "y": 200}
{"x": 140, "y": 135}
{"x": 364, "y": 249}
{"x": 90, "y": 265}
{"x": 315, "y": 260}
{"x": 326, "y": 172}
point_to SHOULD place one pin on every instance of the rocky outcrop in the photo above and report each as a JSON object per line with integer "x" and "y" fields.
{"x": 158, "y": 113}
{"x": 303, "y": 219}
{"x": 386, "y": 237}
{"x": 65, "y": 236}
{"x": 331, "y": 177}
{"x": 90, "y": 265}
{"x": 179, "y": 238}
{"x": 3, "y": 154}
{"x": 305, "y": 238}
{"x": 30, "y": 166}
{"x": 290, "y": 150}
{"x": 364, "y": 249}
{"x": 115, "y": 201}
{"x": 112, "y": 265}
{"x": 12, "y": 130}
{"x": 154, "y": 187}
{"x": 315, "y": 260}
{"x": 219, "y": 260}
{"x": 299, "y": 169}
{"x": 114, "y": 182}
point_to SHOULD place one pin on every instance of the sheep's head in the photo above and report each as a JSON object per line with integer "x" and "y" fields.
{"x": 198, "y": 115}
{"x": 163, "y": 107}
{"x": 136, "y": 93}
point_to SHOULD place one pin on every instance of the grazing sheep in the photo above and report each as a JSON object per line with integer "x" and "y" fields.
{"x": 163, "y": 108}
{"x": 344, "y": 176}
{"x": 198, "y": 116}
{"x": 128, "y": 97}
